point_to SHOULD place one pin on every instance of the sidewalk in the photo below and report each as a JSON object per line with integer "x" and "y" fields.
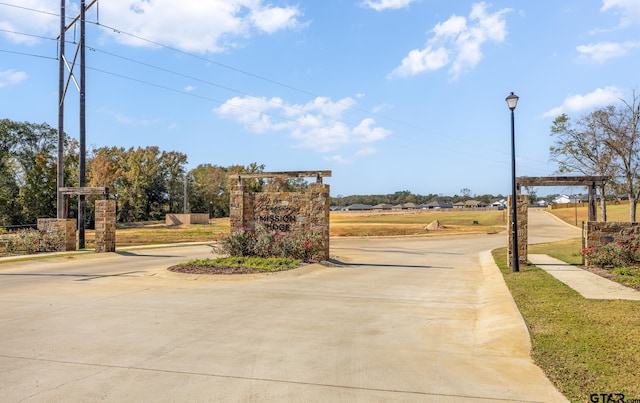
{"x": 589, "y": 285}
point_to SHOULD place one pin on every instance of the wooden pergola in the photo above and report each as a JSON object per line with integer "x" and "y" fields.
{"x": 591, "y": 182}
{"x": 66, "y": 192}
{"x": 286, "y": 174}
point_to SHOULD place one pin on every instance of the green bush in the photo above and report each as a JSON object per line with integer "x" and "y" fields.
{"x": 31, "y": 241}
{"x": 265, "y": 243}
{"x": 618, "y": 254}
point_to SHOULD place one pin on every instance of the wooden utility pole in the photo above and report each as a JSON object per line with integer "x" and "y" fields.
{"x": 61, "y": 75}
{"x": 63, "y": 85}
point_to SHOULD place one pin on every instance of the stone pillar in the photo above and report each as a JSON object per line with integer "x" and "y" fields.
{"x": 105, "y": 226}
{"x": 521, "y": 226}
{"x": 66, "y": 225}
{"x": 318, "y": 214}
{"x": 241, "y": 208}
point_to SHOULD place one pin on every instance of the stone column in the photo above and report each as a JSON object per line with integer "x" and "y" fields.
{"x": 241, "y": 208}
{"x": 105, "y": 226}
{"x": 521, "y": 226}
{"x": 66, "y": 225}
{"x": 318, "y": 214}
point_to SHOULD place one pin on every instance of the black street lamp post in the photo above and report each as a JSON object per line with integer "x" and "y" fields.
{"x": 512, "y": 101}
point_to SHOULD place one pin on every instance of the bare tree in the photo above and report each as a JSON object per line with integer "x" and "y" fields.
{"x": 623, "y": 138}
{"x": 466, "y": 193}
{"x": 582, "y": 147}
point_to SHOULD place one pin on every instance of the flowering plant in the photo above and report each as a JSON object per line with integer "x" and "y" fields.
{"x": 618, "y": 254}
{"x": 32, "y": 241}
{"x": 266, "y": 243}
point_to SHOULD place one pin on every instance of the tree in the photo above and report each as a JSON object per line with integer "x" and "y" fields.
{"x": 583, "y": 147}
{"x": 173, "y": 170}
{"x": 206, "y": 190}
{"x": 26, "y": 165}
{"x": 286, "y": 185}
{"x": 10, "y": 206}
{"x": 623, "y": 138}
{"x": 38, "y": 193}
{"x": 9, "y": 209}
{"x": 146, "y": 182}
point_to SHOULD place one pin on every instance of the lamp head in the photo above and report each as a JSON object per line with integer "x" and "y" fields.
{"x": 512, "y": 101}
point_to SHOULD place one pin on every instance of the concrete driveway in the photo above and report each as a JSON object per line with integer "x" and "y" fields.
{"x": 392, "y": 320}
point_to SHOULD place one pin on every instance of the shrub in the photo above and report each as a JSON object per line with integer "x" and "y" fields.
{"x": 240, "y": 243}
{"x": 619, "y": 254}
{"x": 266, "y": 244}
{"x": 31, "y": 241}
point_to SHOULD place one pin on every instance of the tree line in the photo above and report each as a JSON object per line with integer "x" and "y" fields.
{"x": 605, "y": 142}
{"x": 405, "y": 196}
{"x": 147, "y": 183}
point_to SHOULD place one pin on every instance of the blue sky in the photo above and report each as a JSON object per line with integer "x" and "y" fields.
{"x": 390, "y": 95}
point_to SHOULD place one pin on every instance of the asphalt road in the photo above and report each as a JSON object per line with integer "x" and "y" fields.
{"x": 390, "y": 320}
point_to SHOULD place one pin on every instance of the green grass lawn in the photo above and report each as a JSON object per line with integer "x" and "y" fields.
{"x": 584, "y": 346}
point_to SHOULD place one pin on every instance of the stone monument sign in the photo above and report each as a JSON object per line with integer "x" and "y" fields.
{"x": 296, "y": 213}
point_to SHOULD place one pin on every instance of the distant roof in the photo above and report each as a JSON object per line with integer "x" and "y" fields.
{"x": 438, "y": 203}
{"x": 359, "y": 207}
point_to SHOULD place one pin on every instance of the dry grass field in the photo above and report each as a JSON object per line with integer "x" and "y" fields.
{"x": 352, "y": 224}
{"x": 358, "y": 224}
{"x": 414, "y": 223}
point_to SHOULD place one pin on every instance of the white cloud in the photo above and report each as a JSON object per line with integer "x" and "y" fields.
{"x": 195, "y": 25}
{"x": 189, "y": 25}
{"x": 44, "y": 22}
{"x": 381, "y": 5}
{"x": 11, "y": 77}
{"x": 627, "y": 10}
{"x": 456, "y": 42}
{"x": 576, "y": 103}
{"x": 603, "y": 51}
{"x": 274, "y": 19}
{"x": 318, "y": 125}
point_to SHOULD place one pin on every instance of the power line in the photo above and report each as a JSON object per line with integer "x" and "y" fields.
{"x": 29, "y": 35}
{"x": 237, "y": 70}
{"x": 231, "y": 68}
{"x": 53, "y": 14}
{"x": 225, "y": 66}
{"x": 194, "y": 95}
{"x": 28, "y": 54}
{"x": 246, "y": 94}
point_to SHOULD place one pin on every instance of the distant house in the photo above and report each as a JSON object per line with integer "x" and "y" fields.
{"x": 475, "y": 203}
{"x": 562, "y": 199}
{"x": 565, "y": 199}
{"x": 410, "y": 206}
{"x": 502, "y": 203}
{"x": 336, "y": 208}
{"x": 437, "y": 205}
{"x": 358, "y": 207}
{"x": 383, "y": 206}
{"x": 470, "y": 204}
